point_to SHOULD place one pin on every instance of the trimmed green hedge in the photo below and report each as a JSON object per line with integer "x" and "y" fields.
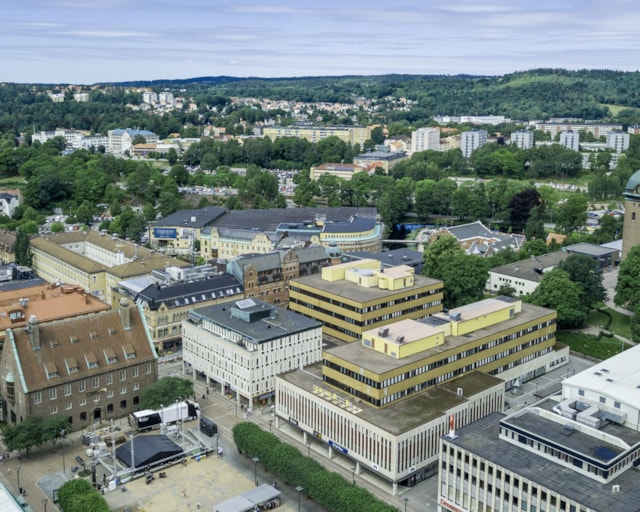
{"x": 330, "y": 490}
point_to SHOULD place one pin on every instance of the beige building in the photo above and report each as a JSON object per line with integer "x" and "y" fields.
{"x": 354, "y": 297}
{"x": 94, "y": 260}
{"x": 343, "y": 171}
{"x": 349, "y": 134}
{"x": 89, "y": 368}
{"x": 631, "y": 231}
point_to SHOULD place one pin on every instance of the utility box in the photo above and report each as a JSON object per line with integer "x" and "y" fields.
{"x": 208, "y": 427}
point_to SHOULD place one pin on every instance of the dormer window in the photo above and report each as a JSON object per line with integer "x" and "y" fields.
{"x": 72, "y": 365}
{"x": 93, "y": 335}
{"x": 112, "y": 331}
{"x": 73, "y": 339}
{"x": 52, "y": 370}
{"x": 129, "y": 352}
{"x": 91, "y": 359}
{"x": 110, "y": 356}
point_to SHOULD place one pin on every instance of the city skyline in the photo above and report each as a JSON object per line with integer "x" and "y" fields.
{"x": 68, "y": 41}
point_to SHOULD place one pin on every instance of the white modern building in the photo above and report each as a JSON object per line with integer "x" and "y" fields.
{"x": 121, "y": 140}
{"x": 150, "y": 97}
{"x": 523, "y": 139}
{"x": 243, "y": 345}
{"x": 472, "y": 140}
{"x": 578, "y": 451}
{"x": 424, "y": 139}
{"x": 570, "y": 140}
{"x": 524, "y": 276}
{"x": 618, "y": 140}
{"x": 166, "y": 98}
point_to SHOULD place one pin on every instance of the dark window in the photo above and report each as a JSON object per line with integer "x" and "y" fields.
{"x": 123, "y": 404}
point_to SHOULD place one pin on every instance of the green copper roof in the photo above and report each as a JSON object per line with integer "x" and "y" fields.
{"x": 633, "y": 182}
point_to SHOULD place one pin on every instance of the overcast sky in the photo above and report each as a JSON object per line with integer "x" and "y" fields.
{"x": 90, "y": 41}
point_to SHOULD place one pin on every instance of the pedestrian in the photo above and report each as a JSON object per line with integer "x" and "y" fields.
{"x": 198, "y": 505}
{"x": 184, "y": 493}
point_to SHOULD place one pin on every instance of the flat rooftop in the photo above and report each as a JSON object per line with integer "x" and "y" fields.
{"x": 354, "y": 292}
{"x": 481, "y": 438}
{"x": 404, "y": 415}
{"x": 282, "y": 323}
{"x": 380, "y": 363}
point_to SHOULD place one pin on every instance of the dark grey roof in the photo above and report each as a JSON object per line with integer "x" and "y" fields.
{"x": 261, "y": 262}
{"x": 473, "y": 230}
{"x": 192, "y": 218}
{"x": 268, "y": 220}
{"x": 354, "y": 224}
{"x": 312, "y": 253}
{"x": 190, "y": 292}
{"x": 390, "y": 258}
{"x": 589, "y": 249}
{"x": 482, "y": 438}
{"x": 380, "y": 155}
{"x": 525, "y": 269}
{"x": 281, "y": 322}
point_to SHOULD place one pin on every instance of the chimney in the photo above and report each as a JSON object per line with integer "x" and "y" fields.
{"x": 125, "y": 314}
{"x": 34, "y": 332}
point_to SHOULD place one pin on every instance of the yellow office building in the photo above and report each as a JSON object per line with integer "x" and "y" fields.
{"x": 349, "y": 134}
{"x": 354, "y": 297}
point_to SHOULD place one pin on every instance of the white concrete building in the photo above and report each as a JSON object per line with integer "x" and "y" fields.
{"x": 619, "y": 141}
{"x": 524, "y": 276}
{"x": 150, "y": 97}
{"x": 578, "y": 451}
{"x": 472, "y": 140}
{"x": 570, "y": 140}
{"x": 424, "y": 139}
{"x": 120, "y": 140}
{"x": 166, "y": 98}
{"x": 243, "y": 346}
{"x": 523, "y": 139}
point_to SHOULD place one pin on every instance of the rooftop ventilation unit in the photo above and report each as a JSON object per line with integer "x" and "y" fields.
{"x": 383, "y": 331}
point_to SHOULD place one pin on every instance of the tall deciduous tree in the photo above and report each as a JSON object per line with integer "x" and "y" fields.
{"x": 628, "y": 287}
{"x": 572, "y": 214}
{"x": 557, "y": 291}
{"x": 165, "y": 391}
{"x": 585, "y": 271}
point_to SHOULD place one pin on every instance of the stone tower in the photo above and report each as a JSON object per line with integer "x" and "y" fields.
{"x": 631, "y": 232}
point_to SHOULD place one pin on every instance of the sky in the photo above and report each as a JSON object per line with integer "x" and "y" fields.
{"x": 93, "y": 41}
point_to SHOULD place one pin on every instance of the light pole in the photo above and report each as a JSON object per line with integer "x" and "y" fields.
{"x": 18, "y": 473}
{"x": 353, "y": 476}
{"x": 255, "y": 469}
{"x": 63, "y": 433}
{"x": 217, "y": 437}
{"x": 406, "y": 500}
{"x": 299, "y": 489}
{"x": 270, "y": 422}
{"x": 45, "y": 501}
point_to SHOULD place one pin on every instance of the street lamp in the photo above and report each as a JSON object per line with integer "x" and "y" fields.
{"x": 406, "y": 500}
{"x": 45, "y": 501}
{"x": 353, "y": 476}
{"x": 270, "y": 422}
{"x": 18, "y": 473}
{"x": 255, "y": 469}
{"x": 63, "y": 433}
{"x": 299, "y": 489}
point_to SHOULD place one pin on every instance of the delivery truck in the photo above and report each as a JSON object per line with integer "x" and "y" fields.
{"x": 178, "y": 412}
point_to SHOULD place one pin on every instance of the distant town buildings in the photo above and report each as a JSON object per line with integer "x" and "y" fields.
{"x": 618, "y": 140}
{"x": 570, "y": 140}
{"x": 488, "y": 119}
{"x": 344, "y": 171}
{"x": 597, "y": 130}
{"x": 424, "y": 139}
{"x": 523, "y": 139}
{"x": 349, "y": 134}
{"x": 472, "y": 140}
{"x": 386, "y": 160}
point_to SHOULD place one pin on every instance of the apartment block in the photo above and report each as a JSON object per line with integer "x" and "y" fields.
{"x": 472, "y": 140}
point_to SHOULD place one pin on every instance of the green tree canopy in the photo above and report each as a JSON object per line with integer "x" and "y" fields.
{"x": 557, "y": 291}
{"x": 165, "y": 391}
{"x": 628, "y": 286}
{"x": 585, "y": 271}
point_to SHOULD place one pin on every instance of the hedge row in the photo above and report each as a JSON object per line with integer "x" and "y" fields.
{"x": 330, "y": 490}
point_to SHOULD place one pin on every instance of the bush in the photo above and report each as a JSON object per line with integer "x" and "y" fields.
{"x": 590, "y": 345}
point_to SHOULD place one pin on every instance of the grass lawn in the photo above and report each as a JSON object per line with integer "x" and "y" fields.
{"x": 590, "y": 345}
{"x": 611, "y": 320}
